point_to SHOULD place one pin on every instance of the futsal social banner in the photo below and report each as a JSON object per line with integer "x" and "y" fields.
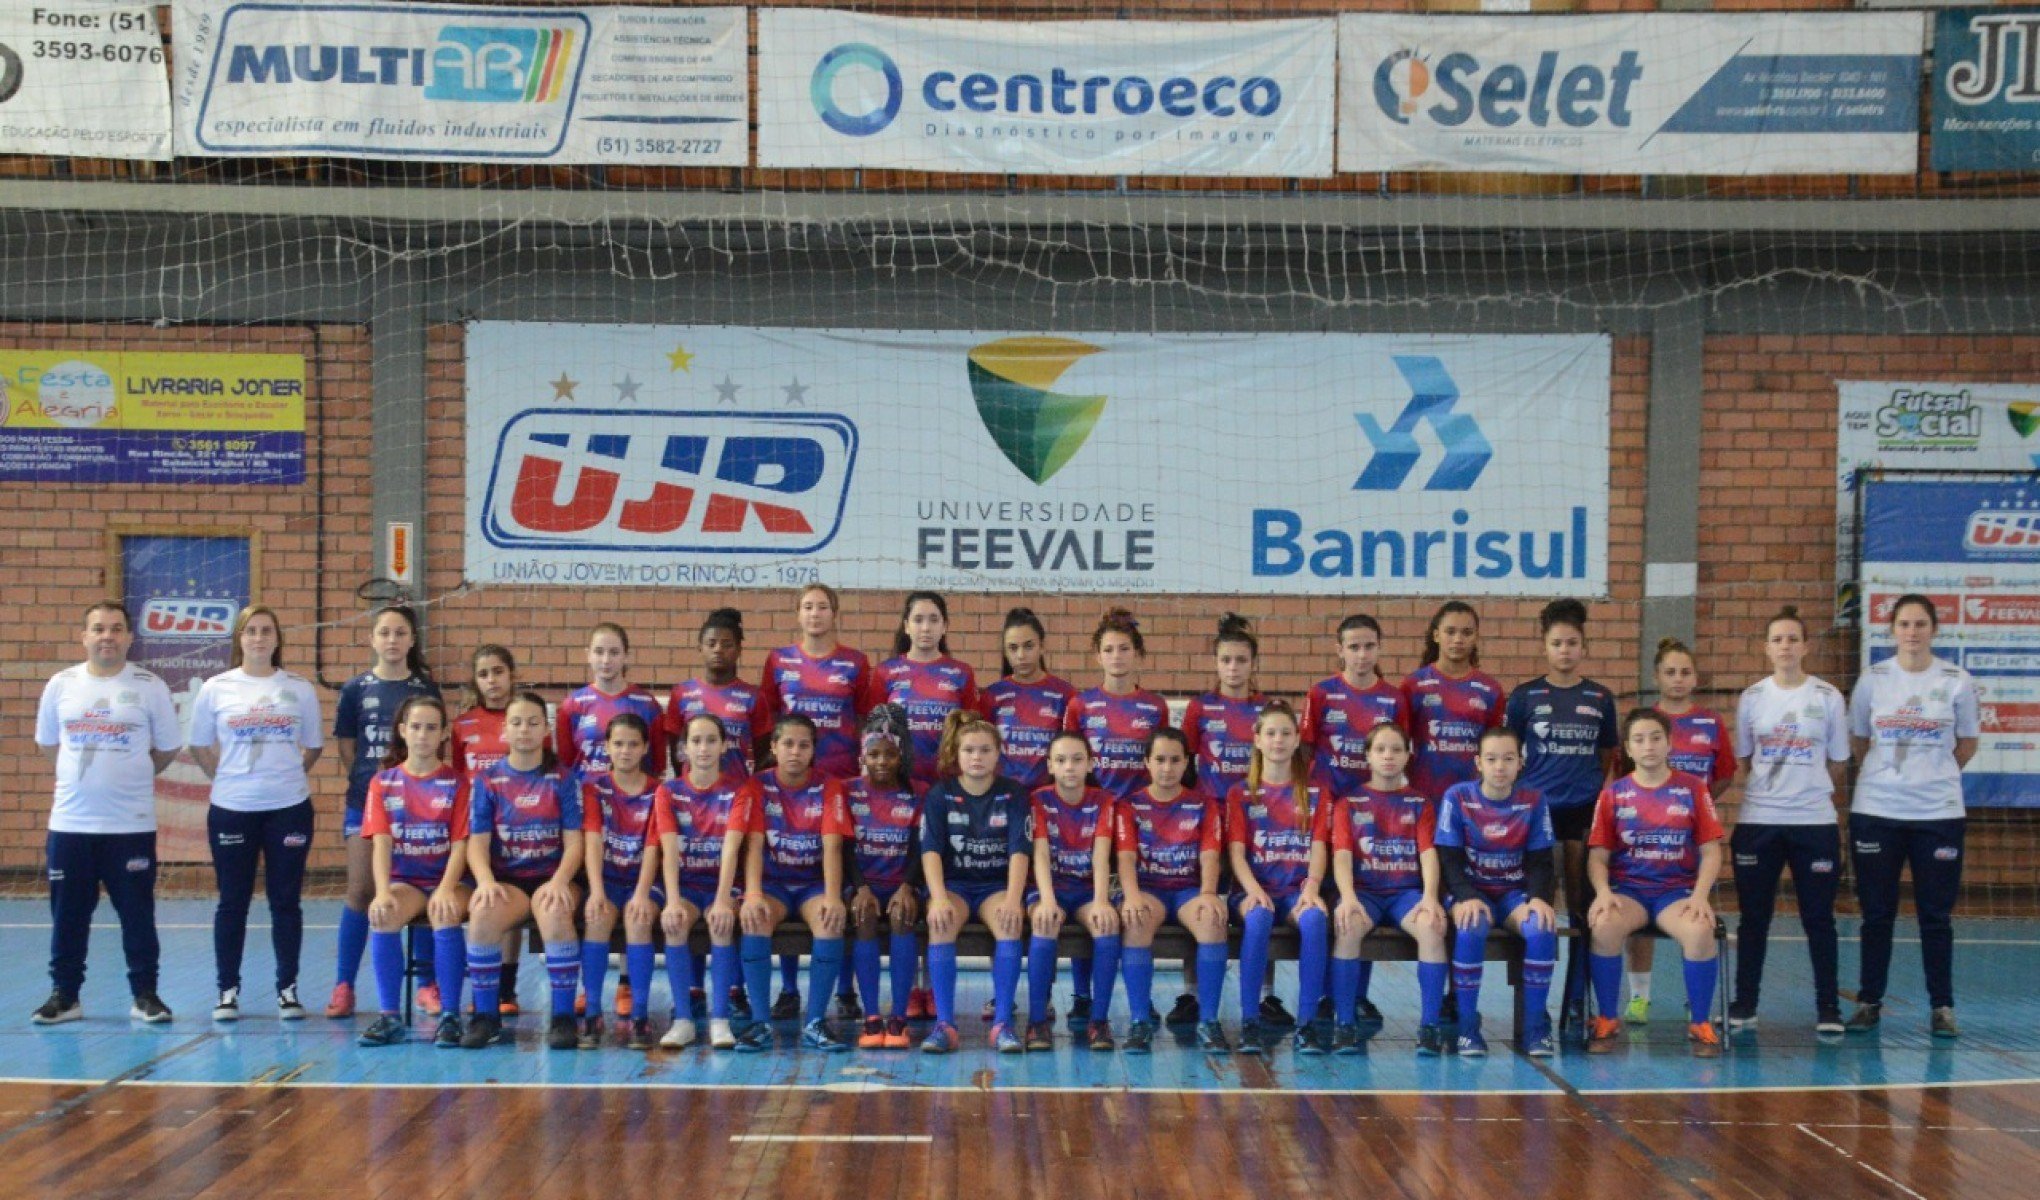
{"x": 1322, "y": 464}
{"x": 1747, "y": 94}
{"x": 839, "y": 89}
{"x": 85, "y": 80}
{"x": 462, "y": 83}
{"x": 1986, "y": 105}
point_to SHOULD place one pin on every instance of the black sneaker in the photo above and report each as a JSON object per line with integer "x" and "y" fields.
{"x": 1140, "y": 1038}
{"x": 149, "y": 1007}
{"x": 1273, "y": 1012}
{"x": 1430, "y": 1041}
{"x": 1080, "y": 1013}
{"x": 449, "y": 1035}
{"x": 640, "y": 1034}
{"x": 787, "y": 1007}
{"x": 590, "y": 1037}
{"x": 388, "y": 1030}
{"x": 1253, "y": 1037}
{"x": 848, "y": 1008}
{"x": 753, "y": 1038}
{"x": 740, "y": 1004}
{"x": 559, "y": 1033}
{"x": 483, "y": 1031}
{"x": 1741, "y": 1017}
{"x": 1829, "y": 1020}
{"x": 1311, "y": 1040}
{"x": 57, "y": 1010}
{"x": 228, "y": 1006}
{"x": 288, "y": 1006}
{"x": 1345, "y": 1039}
{"x": 1366, "y": 1014}
{"x": 1184, "y": 1012}
{"x": 1944, "y": 1025}
{"x": 1865, "y": 1018}
{"x": 1211, "y": 1038}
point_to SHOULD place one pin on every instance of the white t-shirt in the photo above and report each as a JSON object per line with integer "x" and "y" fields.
{"x": 1913, "y": 720}
{"x": 262, "y": 727}
{"x": 1790, "y": 735}
{"x": 104, "y": 729}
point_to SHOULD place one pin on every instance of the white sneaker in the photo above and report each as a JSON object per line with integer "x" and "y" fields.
{"x": 228, "y": 1006}
{"x": 720, "y": 1035}
{"x": 288, "y": 1006}
{"x": 679, "y": 1034}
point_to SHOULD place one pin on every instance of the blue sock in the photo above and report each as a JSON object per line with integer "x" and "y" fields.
{"x": 942, "y": 975}
{"x": 903, "y": 958}
{"x": 353, "y": 940}
{"x": 1040, "y": 977}
{"x": 1700, "y": 978}
{"x": 722, "y": 976}
{"x": 1211, "y": 979}
{"x": 864, "y": 966}
{"x": 1137, "y": 964}
{"x": 680, "y": 979}
{"x": 594, "y": 973}
{"x": 825, "y": 966}
{"x": 1081, "y": 976}
{"x": 1260, "y": 924}
{"x": 1345, "y": 990}
{"x": 1107, "y": 951}
{"x": 1366, "y": 981}
{"x": 1315, "y": 929}
{"x": 449, "y": 965}
{"x": 1540, "y": 958}
{"x": 386, "y": 955}
{"x": 637, "y": 967}
{"x": 562, "y": 972}
{"x": 1606, "y": 970}
{"x": 789, "y": 972}
{"x": 485, "y": 976}
{"x": 1005, "y": 978}
{"x": 1430, "y": 991}
{"x": 1469, "y": 953}
{"x": 756, "y": 953}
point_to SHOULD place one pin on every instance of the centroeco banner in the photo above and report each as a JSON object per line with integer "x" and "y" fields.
{"x": 838, "y": 89}
{"x": 1986, "y": 102}
{"x": 1338, "y": 464}
{"x": 461, "y": 83}
{"x": 83, "y": 81}
{"x": 1742, "y": 94}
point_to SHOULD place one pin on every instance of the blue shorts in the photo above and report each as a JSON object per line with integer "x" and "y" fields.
{"x": 1069, "y": 902}
{"x": 350, "y": 822}
{"x": 793, "y": 895}
{"x": 1654, "y": 902}
{"x": 975, "y": 894}
{"x": 1284, "y": 905}
{"x": 1173, "y": 901}
{"x": 1390, "y": 908}
{"x": 619, "y": 893}
{"x": 704, "y": 898}
{"x": 1501, "y": 904}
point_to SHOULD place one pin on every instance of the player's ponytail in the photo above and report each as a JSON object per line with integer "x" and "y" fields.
{"x": 1789, "y": 612}
{"x": 1020, "y": 618}
{"x": 1119, "y": 620}
{"x": 414, "y": 658}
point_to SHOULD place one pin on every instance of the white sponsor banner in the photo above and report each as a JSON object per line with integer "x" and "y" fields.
{"x": 838, "y": 89}
{"x": 1651, "y": 93}
{"x": 83, "y": 80}
{"x": 1332, "y": 464}
{"x": 462, "y": 83}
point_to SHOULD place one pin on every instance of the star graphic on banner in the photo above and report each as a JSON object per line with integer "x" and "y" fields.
{"x": 680, "y": 359}
{"x": 726, "y": 391}
{"x": 626, "y": 388}
{"x": 563, "y": 387}
{"x": 796, "y": 393}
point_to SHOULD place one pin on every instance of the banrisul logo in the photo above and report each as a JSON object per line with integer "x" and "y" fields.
{"x": 1396, "y": 450}
{"x": 1037, "y": 428}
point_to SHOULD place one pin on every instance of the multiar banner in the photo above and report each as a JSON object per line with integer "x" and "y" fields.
{"x": 1336, "y": 464}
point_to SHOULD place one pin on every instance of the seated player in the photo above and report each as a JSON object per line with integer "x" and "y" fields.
{"x": 1072, "y": 878}
{"x": 1278, "y": 825}
{"x": 1167, "y": 838}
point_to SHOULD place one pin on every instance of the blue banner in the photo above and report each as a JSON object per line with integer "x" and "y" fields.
{"x": 1986, "y": 90}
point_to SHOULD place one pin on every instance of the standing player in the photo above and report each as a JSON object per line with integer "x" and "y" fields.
{"x": 616, "y": 837}
{"x": 1278, "y": 825}
{"x": 1072, "y": 878}
{"x": 1793, "y": 732}
{"x": 416, "y": 824}
{"x": 1567, "y": 725}
{"x": 885, "y": 813}
{"x": 1450, "y": 702}
{"x": 582, "y": 740}
{"x": 718, "y": 692}
{"x": 255, "y": 731}
{"x": 1220, "y": 723}
{"x": 700, "y": 853}
{"x": 1914, "y": 721}
{"x": 1168, "y": 839}
{"x": 923, "y": 679}
{"x": 1026, "y": 703}
{"x": 479, "y": 743}
{"x": 1656, "y": 854}
{"x": 109, "y": 727}
{"x": 361, "y": 734}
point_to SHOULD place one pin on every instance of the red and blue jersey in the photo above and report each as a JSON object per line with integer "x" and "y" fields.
{"x": 1494, "y": 835}
{"x": 1447, "y": 717}
{"x": 794, "y": 822}
{"x": 1387, "y": 833}
{"x": 582, "y": 738}
{"x": 888, "y": 824}
{"x": 1028, "y": 716}
{"x": 622, "y": 820}
{"x": 366, "y": 713}
{"x": 1072, "y": 832}
{"x": 700, "y": 819}
{"x": 976, "y": 837}
{"x": 525, "y": 816}
{"x": 1337, "y": 717}
{"x": 825, "y": 690}
{"x": 1168, "y": 838}
{"x": 1117, "y": 729}
{"x": 1221, "y": 736}
{"x": 1653, "y": 835}
{"x": 1566, "y": 732}
{"x": 736, "y": 704}
{"x": 1277, "y": 832}
{"x": 1702, "y": 745}
{"x": 477, "y": 742}
{"x": 928, "y": 692}
{"x": 423, "y": 816}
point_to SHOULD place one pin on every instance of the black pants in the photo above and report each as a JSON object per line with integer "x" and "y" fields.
{"x": 1882, "y": 849}
{"x": 125, "y": 865}
{"x": 282, "y": 839}
{"x": 1761, "y": 853}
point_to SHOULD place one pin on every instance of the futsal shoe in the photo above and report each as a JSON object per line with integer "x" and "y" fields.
{"x": 787, "y": 1007}
{"x": 388, "y": 1030}
{"x": 848, "y": 1008}
{"x": 896, "y": 1036}
{"x": 755, "y": 1038}
{"x": 1944, "y": 1025}
{"x": 1471, "y": 1043}
{"x": 1741, "y": 1017}
{"x": 1706, "y": 1042}
{"x": 1140, "y": 1037}
{"x": 720, "y": 1036}
{"x": 1638, "y": 1012}
{"x": 920, "y": 1004}
{"x": 1184, "y": 1011}
{"x": 1603, "y": 1035}
{"x": 1099, "y": 1036}
{"x": 940, "y": 1040}
{"x": 1253, "y": 1038}
{"x": 228, "y": 1006}
{"x": 288, "y": 1006}
{"x": 1865, "y": 1018}
{"x": 1365, "y": 1013}
{"x": 1311, "y": 1040}
{"x": 559, "y": 1033}
{"x": 740, "y": 1004}
{"x": 1211, "y": 1038}
{"x": 1273, "y": 1012}
{"x": 448, "y": 1036}
{"x": 590, "y": 1037}
{"x": 1080, "y": 1013}
{"x": 873, "y": 1037}
{"x": 1005, "y": 1041}
{"x": 341, "y": 1005}
{"x": 59, "y": 1009}
{"x": 1829, "y": 1021}
{"x": 679, "y": 1035}
{"x": 482, "y": 1032}
{"x": 991, "y": 1010}
{"x": 148, "y": 1007}
{"x": 640, "y": 1034}
{"x": 624, "y": 1000}
{"x": 1040, "y": 1036}
{"x": 507, "y": 1006}
{"x": 1538, "y": 1043}
{"x": 1430, "y": 1041}
{"x": 428, "y": 1000}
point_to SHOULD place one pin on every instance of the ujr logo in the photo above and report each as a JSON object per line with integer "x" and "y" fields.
{"x": 186, "y": 617}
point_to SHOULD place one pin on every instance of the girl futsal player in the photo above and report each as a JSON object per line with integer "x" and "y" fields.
{"x": 1220, "y": 723}
{"x": 524, "y": 848}
{"x": 975, "y": 849}
{"x": 1656, "y": 854}
{"x": 1385, "y": 863}
{"x": 699, "y": 853}
{"x": 1026, "y": 703}
{"x": 718, "y": 692}
{"x": 416, "y": 822}
{"x": 1793, "y": 734}
{"x": 1168, "y": 839}
{"x": 923, "y": 679}
{"x": 1072, "y": 878}
{"x": 361, "y": 733}
{"x": 885, "y": 813}
{"x": 585, "y": 715}
{"x": 255, "y": 731}
{"x": 616, "y": 821}
{"x": 478, "y": 744}
{"x": 1278, "y": 825}
{"x": 1494, "y": 846}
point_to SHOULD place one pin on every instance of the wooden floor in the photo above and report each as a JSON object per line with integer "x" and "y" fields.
{"x": 124, "y": 1141}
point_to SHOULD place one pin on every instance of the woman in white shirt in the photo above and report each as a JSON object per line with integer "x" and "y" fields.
{"x": 255, "y": 730}
{"x": 1913, "y": 718}
{"x": 1793, "y": 731}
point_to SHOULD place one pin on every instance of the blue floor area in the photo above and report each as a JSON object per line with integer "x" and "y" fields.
{"x": 1997, "y": 963}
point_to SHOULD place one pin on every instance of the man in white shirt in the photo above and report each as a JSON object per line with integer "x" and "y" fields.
{"x": 109, "y": 728}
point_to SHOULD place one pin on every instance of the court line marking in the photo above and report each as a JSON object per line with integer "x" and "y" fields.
{"x": 918, "y": 1139}
{"x": 1859, "y": 1162}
